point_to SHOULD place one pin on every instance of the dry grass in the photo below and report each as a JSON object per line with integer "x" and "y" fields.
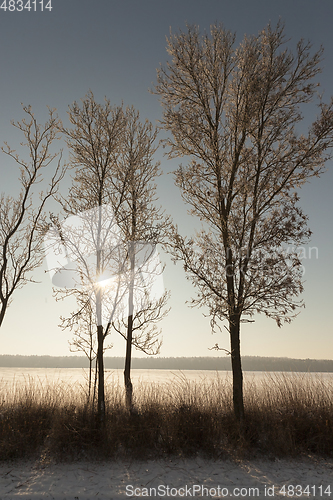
{"x": 285, "y": 416}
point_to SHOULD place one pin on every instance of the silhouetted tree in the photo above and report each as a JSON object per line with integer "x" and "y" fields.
{"x": 234, "y": 111}
{"x": 143, "y": 226}
{"x": 22, "y": 219}
{"x": 93, "y": 141}
{"x": 112, "y": 156}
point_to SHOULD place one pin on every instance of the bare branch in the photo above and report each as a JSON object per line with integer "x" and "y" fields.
{"x": 22, "y": 220}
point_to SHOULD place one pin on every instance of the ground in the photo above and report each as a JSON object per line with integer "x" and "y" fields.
{"x": 176, "y": 478}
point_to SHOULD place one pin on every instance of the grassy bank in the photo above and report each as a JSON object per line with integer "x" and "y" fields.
{"x": 286, "y": 416}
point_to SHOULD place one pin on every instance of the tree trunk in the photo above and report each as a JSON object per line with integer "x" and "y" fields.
{"x": 90, "y": 378}
{"x": 237, "y": 375}
{"x": 100, "y": 335}
{"x": 95, "y": 382}
{"x": 127, "y": 371}
{"x": 3, "y": 311}
{"x": 101, "y": 396}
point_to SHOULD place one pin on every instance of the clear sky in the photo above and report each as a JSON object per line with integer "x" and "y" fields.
{"x": 113, "y": 47}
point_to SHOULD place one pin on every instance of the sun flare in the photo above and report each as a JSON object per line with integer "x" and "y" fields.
{"x": 105, "y": 282}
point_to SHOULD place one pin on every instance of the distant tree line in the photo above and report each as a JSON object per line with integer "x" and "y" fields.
{"x": 251, "y": 363}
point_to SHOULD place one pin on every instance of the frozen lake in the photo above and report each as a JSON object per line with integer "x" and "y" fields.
{"x": 74, "y": 376}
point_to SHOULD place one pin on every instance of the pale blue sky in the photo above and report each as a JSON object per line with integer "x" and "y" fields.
{"x": 114, "y": 48}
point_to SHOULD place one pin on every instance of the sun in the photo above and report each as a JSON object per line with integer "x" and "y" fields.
{"x": 104, "y": 280}
{"x": 104, "y": 283}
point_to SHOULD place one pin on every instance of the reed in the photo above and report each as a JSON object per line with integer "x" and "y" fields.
{"x": 286, "y": 416}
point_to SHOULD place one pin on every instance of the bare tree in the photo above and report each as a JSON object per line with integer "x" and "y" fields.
{"x": 93, "y": 141}
{"x": 143, "y": 226}
{"x": 112, "y": 156}
{"x": 234, "y": 111}
{"x": 22, "y": 219}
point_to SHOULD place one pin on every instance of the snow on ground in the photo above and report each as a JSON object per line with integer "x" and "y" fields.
{"x": 177, "y": 478}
